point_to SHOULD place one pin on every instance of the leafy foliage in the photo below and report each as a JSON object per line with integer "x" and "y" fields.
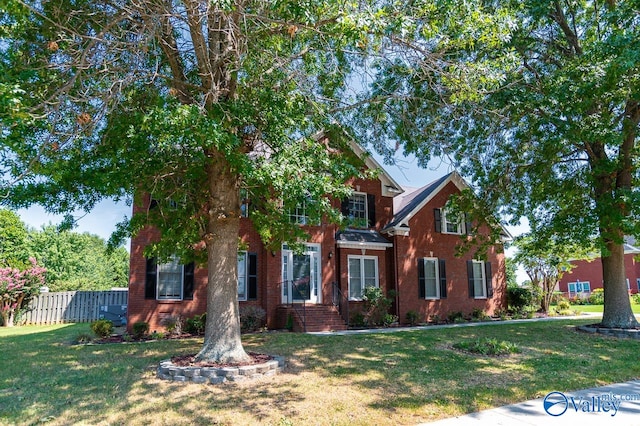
{"x": 102, "y": 328}
{"x": 488, "y": 346}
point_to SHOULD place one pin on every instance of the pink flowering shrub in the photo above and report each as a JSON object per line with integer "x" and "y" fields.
{"x": 17, "y": 288}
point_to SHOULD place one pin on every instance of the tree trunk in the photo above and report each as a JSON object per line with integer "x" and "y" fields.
{"x": 617, "y": 306}
{"x": 222, "y": 341}
{"x": 547, "y": 295}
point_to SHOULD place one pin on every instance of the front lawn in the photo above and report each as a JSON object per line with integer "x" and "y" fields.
{"x": 394, "y": 378}
{"x": 599, "y": 308}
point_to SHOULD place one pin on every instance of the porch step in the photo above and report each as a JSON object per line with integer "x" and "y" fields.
{"x": 318, "y": 318}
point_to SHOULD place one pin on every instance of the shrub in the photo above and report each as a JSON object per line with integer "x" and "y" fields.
{"x": 597, "y": 297}
{"x": 455, "y": 316}
{"x": 174, "y": 325}
{"x": 563, "y": 305}
{"x": 83, "y": 338}
{"x": 488, "y": 346}
{"x": 157, "y": 335}
{"x": 412, "y": 317}
{"x": 389, "y": 319}
{"x": 102, "y": 328}
{"x": 357, "y": 319}
{"x": 519, "y": 298}
{"x": 140, "y": 329}
{"x": 196, "y": 324}
{"x": 435, "y": 318}
{"x": 635, "y": 298}
{"x": 376, "y": 305}
{"x": 479, "y": 314}
{"x": 251, "y": 318}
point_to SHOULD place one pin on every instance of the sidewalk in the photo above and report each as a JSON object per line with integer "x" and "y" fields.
{"x": 589, "y": 407}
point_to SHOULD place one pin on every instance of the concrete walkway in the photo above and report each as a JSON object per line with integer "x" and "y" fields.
{"x": 616, "y": 404}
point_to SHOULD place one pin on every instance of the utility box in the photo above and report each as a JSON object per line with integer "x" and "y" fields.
{"x": 117, "y": 314}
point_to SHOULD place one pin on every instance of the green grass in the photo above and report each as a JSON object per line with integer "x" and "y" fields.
{"x": 599, "y": 308}
{"x": 395, "y": 378}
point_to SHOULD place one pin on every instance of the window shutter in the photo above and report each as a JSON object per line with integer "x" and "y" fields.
{"x": 487, "y": 273}
{"x": 344, "y": 207}
{"x": 371, "y": 210}
{"x": 443, "y": 279}
{"x": 468, "y": 226}
{"x": 438, "y": 219}
{"x": 470, "y": 277}
{"x": 252, "y": 276}
{"x": 151, "y": 279}
{"x": 421, "y": 280}
{"x": 188, "y": 281}
{"x": 153, "y": 204}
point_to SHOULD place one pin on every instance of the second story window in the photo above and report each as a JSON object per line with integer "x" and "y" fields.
{"x": 359, "y": 210}
{"x": 299, "y": 214}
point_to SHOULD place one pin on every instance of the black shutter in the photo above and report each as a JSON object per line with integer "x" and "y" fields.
{"x": 470, "y": 277}
{"x": 188, "y": 281}
{"x": 153, "y": 204}
{"x": 371, "y": 210}
{"x": 438, "y": 218}
{"x": 421, "y": 280}
{"x": 487, "y": 272}
{"x": 151, "y": 279}
{"x": 344, "y": 207}
{"x": 443, "y": 279}
{"x": 252, "y": 276}
{"x": 468, "y": 226}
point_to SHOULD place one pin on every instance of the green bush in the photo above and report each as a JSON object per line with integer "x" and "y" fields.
{"x": 488, "y": 346}
{"x": 174, "y": 325}
{"x": 376, "y": 306}
{"x": 412, "y": 317}
{"x": 636, "y": 298}
{"x": 455, "y": 317}
{"x": 519, "y": 298}
{"x": 251, "y": 318}
{"x": 102, "y": 328}
{"x": 563, "y": 305}
{"x": 479, "y": 315}
{"x": 196, "y": 324}
{"x": 357, "y": 319}
{"x": 597, "y": 297}
{"x": 140, "y": 329}
{"x": 389, "y": 319}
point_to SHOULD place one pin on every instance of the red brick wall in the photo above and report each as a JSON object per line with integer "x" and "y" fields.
{"x": 591, "y": 270}
{"x": 424, "y": 241}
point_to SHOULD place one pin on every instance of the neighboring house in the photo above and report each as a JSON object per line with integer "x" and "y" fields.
{"x": 404, "y": 242}
{"x": 587, "y": 274}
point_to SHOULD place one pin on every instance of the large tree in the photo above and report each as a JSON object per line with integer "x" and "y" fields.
{"x": 188, "y": 102}
{"x": 537, "y": 102}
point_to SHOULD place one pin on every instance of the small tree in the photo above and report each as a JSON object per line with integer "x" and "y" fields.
{"x": 546, "y": 261}
{"x": 17, "y": 288}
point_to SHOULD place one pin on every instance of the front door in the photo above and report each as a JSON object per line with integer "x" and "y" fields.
{"x": 301, "y": 275}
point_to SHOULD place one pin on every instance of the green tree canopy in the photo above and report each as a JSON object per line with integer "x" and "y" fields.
{"x": 537, "y": 102}
{"x": 13, "y": 239}
{"x": 188, "y": 101}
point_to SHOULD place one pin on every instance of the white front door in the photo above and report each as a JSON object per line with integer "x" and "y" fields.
{"x": 301, "y": 275}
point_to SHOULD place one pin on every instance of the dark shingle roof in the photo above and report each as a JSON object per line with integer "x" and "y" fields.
{"x": 414, "y": 199}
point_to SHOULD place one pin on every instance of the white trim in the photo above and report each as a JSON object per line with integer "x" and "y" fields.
{"x": 317, "y": 254}
{"x": 443, "y": 223}
{"x": 363, "y": 245}
{"x": 483, "y": 279}
{"x": 390, "y": 188}
{"x": 246, "y": 275}
{"x": 361, "y": 258}
{"x": 436, "y": 262}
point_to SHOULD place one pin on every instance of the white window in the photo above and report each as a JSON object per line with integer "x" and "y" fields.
{"x": 170, "y": 280}
{"x": 479, "y": 280}
{"x": 299, "y": 214}
{"x": 358, "y": 210}
{"x": 452, "y": 224}
{"x": 579, "y": 287}
{"x": 242, "y": 275}
{"x": 431, "y": 278}
{"x": 363, "y": 273}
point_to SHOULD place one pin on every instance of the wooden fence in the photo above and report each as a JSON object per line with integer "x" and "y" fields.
{"x": 71, "y": 306}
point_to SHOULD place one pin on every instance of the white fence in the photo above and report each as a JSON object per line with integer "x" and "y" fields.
{"x": 71, "y": 306}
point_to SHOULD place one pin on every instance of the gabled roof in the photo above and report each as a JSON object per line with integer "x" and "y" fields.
{"x": 405, "y": 207}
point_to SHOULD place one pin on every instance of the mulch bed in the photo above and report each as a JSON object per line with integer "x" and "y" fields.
{"x": 190, "y": 361}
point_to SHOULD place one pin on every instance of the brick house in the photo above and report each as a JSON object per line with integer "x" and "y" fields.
{"x": 404, "y": 242}
{"x": 587, "y": 274}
